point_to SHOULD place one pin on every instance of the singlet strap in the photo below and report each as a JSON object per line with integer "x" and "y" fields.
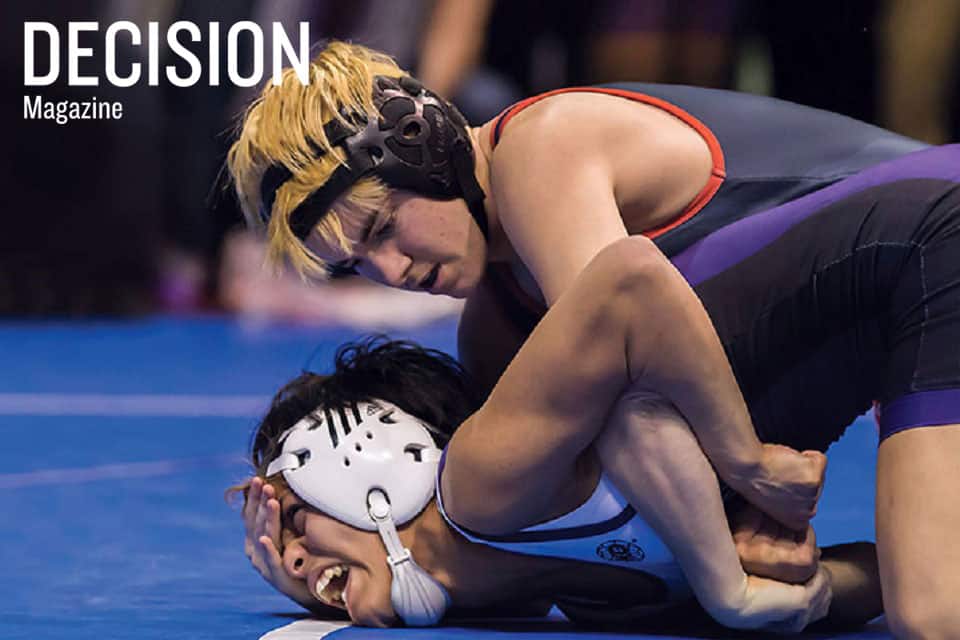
{"x": 718, "y": 171}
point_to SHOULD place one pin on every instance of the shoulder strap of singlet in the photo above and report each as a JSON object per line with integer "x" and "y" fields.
{"x": 718, "y": 173}
{"x": 507, "y": 114}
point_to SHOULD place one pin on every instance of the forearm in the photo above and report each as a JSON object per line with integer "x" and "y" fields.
{"x": 550, "y": 404}
{"x": 673, "y": 349}
{"x": 676, "y": 492}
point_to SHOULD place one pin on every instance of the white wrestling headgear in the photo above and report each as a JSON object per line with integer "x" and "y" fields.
{"x": 372, "y": 466}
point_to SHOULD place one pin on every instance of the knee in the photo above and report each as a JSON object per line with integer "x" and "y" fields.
{"x": 923, "y": 618}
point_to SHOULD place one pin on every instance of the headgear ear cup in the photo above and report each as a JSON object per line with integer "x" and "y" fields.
{"x": 439, "y": 164}
{"x": 372, "y": 466}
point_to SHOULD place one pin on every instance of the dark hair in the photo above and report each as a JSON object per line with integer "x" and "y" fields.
{"x": 426, "y": 383}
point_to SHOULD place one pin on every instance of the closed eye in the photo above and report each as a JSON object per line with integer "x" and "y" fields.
{"x": 372, "y": 234}
{"x": 343, "y": 268}
{"x": 289, "y": 517}
{"x": 385, "y": 230}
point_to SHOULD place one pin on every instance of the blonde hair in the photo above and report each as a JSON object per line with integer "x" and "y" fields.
{"x": 278, "y": 129}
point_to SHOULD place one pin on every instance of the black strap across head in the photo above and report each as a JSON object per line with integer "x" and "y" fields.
{"x": 419, "y": 143}
{"x": 274, "y": 177}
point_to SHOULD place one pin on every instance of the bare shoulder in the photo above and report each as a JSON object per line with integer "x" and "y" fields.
{"x": 589, "y": 120}
{"x": 555, "y": 130}
{"x": 654, "y": 162}
{"x": 554, "y": 188}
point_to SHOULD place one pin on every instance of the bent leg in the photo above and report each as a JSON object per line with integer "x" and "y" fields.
{"x": 918, "y": 516}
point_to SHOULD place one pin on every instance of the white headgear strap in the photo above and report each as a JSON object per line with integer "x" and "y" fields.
{"x": 372, "y": 466}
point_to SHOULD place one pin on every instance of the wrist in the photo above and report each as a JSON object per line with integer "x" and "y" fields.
{"x": 745, "y": 474}
{"x": 729, "y": 606}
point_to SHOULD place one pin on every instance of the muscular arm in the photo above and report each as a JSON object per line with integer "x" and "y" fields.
{"x": 512, "y": 460}
{"x": 550, "y": 404}
{"x": 559, "y": 208}
{"x": 622, "y": 323}
{"x": 649, "y": 452}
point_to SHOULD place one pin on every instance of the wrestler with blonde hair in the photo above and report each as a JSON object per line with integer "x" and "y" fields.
{"x": 825, "y": 269}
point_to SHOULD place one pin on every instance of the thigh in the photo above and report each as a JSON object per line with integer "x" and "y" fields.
{"x": 918, "y": 516}
{"x": 921, "y": 374}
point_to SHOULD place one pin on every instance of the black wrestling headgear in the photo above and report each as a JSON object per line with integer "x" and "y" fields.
{"x": 419, "y": 143}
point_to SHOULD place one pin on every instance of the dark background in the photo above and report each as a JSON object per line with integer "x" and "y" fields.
{"x": 128, "y": 217}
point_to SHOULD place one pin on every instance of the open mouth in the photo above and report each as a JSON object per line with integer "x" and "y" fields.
{"x": 431, "y": 279}
{"x": 332, "y": 584}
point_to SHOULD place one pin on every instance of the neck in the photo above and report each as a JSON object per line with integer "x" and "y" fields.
{"x": 474, "y": 575}
{"x": 498, "y": 246}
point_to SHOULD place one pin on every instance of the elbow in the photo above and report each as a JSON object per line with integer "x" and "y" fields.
{"x": 633, "y": 266}
{"x": 634, "y": 280}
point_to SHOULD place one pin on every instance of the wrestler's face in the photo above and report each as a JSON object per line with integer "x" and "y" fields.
{"x": 317, "y": 547}
{"x": 421, "y": 244}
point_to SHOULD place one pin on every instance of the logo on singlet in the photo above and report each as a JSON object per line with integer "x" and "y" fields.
{"x": 620, "y": 551}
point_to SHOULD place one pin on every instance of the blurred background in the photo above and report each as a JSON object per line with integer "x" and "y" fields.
{"x": 131, "y": 218}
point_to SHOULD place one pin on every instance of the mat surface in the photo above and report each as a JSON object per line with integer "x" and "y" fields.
{"x": 119, "y": 439}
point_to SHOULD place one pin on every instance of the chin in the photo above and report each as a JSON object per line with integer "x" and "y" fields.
{"x": 370, "y": 618}
{"x": 373, "y": 608}
{"x": 466, "y": 285}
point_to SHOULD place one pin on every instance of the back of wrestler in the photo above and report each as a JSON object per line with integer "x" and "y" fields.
{"x": 842, "y": 298}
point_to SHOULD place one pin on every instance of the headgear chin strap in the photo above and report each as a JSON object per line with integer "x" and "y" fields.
{"x": 416, "y": 597}
{"x": 372, "y": 466}
{"x": 419, "y": 143}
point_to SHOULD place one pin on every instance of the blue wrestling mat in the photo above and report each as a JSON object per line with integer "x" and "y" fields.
{"x": 119, "y": 439}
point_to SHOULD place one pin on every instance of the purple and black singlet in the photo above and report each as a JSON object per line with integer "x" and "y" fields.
{"x": 827, "y": 253}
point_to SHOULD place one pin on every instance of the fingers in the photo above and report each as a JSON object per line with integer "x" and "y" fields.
{"x": 262, "y": 521}
{"x": 257, "y": 560}
{"x": 814, "y": 605}
{"x": 249, "y": 514}
{"x": 797, "y": 558}
{"x": 773, "y": 551}
{"x": 821, "y": 594}
{"x": 272, "y": 526}
{"x": 746, "y": 523}
{"x": 252, "y": 503}
{"x": 271, "y": 516}
{"x": 271, "y": 556}
{"x": 263, "y": 542}
{"x": 820, "y": 469}
{"x": 817, "y": 597}
{"x": 795, "y": 482}
{"x": 260, "y": 518}
{"x": 819, "y": 459}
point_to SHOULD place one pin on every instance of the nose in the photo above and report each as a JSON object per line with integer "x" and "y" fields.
{"x": 295, "y": 558}
{"x": 387, "y": 265}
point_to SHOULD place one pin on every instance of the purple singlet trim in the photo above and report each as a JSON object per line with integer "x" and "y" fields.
{"x": 440, "y": 466}
{"x": 731, "y": 244}
{"x": 443, "y": 462}
{"x": 920, "y": 409}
